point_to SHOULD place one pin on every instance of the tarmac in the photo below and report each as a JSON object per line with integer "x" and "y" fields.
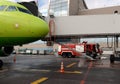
{"x": 53, "y": 69}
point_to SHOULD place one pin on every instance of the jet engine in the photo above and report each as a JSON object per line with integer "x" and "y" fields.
{"x": 6, "y": 51}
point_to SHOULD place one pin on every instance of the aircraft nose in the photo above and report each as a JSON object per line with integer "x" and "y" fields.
{"x": 40, "y": 28}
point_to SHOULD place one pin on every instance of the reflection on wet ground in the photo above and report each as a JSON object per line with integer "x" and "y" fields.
{"x": 29, "y": 68}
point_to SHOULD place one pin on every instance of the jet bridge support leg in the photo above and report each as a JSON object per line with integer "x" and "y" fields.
{"x": 117, "y": 41}
{"x": 116, "y": 55}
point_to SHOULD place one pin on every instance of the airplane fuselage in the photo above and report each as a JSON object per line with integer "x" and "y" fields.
{"x": 17, "y": 28}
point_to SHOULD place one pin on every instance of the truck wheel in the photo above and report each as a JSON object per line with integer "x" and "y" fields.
{"x": 112, "y": 58}
{"x": 64, "y": 55}
{"x": 1, "y": 63}
{"x": 69, "y": 55}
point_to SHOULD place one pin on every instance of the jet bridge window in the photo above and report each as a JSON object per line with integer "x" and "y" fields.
{"x": 11, "y": 8}
{"x": 24, "y": 10}
{"x": 2, "y": 7}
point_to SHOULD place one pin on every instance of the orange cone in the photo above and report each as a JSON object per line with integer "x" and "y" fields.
{"x": 14, "y": 59}
{"x": 62, "y": 68}
{"x": 82, "y": 82}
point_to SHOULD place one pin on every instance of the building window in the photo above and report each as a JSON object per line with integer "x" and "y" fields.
{"x": 59, "y": 7}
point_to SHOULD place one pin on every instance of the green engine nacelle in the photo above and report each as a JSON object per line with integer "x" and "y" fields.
{"x": 6, "y": 51}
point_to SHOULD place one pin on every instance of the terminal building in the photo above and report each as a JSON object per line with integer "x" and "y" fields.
{"x": 66, "y": 7}
{"x": 78, "y": 7}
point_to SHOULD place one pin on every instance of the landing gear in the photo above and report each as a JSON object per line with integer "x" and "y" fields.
{"x": 1, "y": 63}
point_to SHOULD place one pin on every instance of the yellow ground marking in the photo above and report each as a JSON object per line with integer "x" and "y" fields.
{"x": 71, "y": 72}
{"x": 40, "y": 80}
{"x": 39, "y": 70}
{"x": 70, "y": 65}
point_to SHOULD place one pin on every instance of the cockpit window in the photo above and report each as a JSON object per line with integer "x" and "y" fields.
{"x": 2, "y": 7}
{"x": 11, "y": 8}
{"x": 24, "y": 10}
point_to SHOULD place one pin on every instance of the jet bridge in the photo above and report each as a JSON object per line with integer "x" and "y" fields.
{"x": 85, "y": 26}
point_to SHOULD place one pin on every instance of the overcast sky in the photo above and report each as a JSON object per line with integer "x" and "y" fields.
{"x": 101, "y": 3}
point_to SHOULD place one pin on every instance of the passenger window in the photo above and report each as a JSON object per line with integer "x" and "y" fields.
{"x": 2, "y": 7}
{"x": 11, "y": 8}
{"x": 24, "y": 10}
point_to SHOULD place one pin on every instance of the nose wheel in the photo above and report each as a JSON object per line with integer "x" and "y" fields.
{"x": 1, "y": 63}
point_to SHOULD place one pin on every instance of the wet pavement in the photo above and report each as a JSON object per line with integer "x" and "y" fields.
{"x": 48, "y": 69}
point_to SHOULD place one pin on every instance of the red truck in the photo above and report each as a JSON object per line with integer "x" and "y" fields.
{"x": 73, "y": 50}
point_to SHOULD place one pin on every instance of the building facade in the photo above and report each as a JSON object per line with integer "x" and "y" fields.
{"x": 66, "y": 7}
{"x": 59, "y": 7}
{"x": 76, "y": 7}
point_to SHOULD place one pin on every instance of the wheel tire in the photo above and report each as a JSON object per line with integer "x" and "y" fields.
{"x": 69, "y": 55}
{"x": 112, "y": 58}
{"x": 64, "y": 55}
{"x": 1, "y": 63}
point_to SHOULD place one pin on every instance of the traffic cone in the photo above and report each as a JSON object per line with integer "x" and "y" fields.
{"x": 82, "y": 82}
{"x": 62, "y": 68}
{"x": 14, "y": 59}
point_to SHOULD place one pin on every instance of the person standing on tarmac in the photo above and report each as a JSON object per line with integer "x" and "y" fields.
{"x": 98, "y": 47}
